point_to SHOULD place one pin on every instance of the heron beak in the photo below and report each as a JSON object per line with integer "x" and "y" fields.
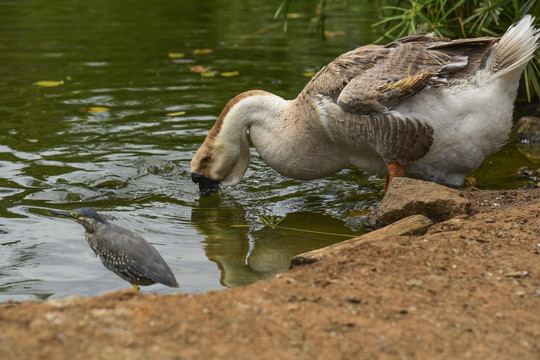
{"x": 207, "y": 186}
{"x": 64, "y": 214}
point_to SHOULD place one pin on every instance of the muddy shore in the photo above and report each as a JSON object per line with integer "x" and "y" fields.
{"x": 467, "y": 289}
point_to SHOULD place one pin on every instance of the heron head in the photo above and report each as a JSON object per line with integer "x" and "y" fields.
{"x": 87, "y": 217}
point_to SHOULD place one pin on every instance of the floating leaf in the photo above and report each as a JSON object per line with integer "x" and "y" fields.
{"x": 202, "y": 51}
{"x": 329, "y": 33}
{"x": 230, "y": 73}
{"x": 199, "y": 69}
{"x": 174, "y": 55}
{"x": 309, "y": 73}
{"x": 179, "y": 113}
{"x": 95, "y": 109}
{"x": 48, "y": 83}
{"x": 263, "y": 30}
{"x": 470, "y": 181}
{"x": 295, "y": 16}
{"x": 208, "y": 74}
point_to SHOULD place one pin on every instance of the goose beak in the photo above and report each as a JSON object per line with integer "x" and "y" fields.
{"x": 207, "y": 186}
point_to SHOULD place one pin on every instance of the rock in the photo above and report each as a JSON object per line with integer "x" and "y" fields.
{"x": 406, "y": 197}
{"x": 528, "y": 130}
{"x": 526, "y": 171}
{"x": 528, "y": 134}
{"x": 412, "y": 225}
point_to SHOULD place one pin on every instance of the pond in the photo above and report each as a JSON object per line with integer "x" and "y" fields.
{"x": 104, "y": 104}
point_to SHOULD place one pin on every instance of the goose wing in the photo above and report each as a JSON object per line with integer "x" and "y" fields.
{"x": 372, "y": 79}
{"x": 375, "y": 78}
{"x": 406, "y": 68}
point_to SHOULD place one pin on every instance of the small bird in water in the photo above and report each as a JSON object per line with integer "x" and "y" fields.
{"x": 427, "y": 106}
{"x": 126, "y": 254}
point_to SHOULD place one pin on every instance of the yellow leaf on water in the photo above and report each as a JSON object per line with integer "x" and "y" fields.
{"x": 199, "y": 69}
{"x": 208, "y": 74}
{"x": 295, "y": 16}
{"x": 48, "y": 83}
{"x": 329, "y": 33}
{"x": 174, "y": 55}
{"x": 179, "y": 113}
{"x": 263, "y": 30}
{"x": 308, "y": 73}
{"x": 230, "y": 73}
{"x": 95, "y": 109}
{"x": 202, "y": 51}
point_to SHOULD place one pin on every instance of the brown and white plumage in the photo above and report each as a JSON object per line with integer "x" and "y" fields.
{"x": 434, "y": 106}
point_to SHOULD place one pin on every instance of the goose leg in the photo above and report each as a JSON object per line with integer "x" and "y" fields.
{"x": 394, "y": 170}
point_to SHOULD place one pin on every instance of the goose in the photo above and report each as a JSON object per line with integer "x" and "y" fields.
{"x": 425, "y": 105}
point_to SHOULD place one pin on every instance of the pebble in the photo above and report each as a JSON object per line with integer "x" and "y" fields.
{"x": 517, "y": 274}
{"x": 353, "y": 299}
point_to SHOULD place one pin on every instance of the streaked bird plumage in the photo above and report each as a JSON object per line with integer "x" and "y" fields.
{"x": 125, "y": 253}
{"x": 431, "y": 106}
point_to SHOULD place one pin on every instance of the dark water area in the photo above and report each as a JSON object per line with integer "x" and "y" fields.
{"x": 99, "y": 108}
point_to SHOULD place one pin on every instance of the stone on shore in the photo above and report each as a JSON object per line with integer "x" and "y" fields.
{"x": 528, "y": 129}
{"x": 528, "y": 136}
{"x": 406, "y": 197}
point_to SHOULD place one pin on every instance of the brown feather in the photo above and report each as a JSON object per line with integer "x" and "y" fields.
{"x": 360, "y": 80}
{"x": 372, "y": 79}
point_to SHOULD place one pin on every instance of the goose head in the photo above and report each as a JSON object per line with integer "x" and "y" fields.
{"x": 219, "y": 162}
{"x": 223, "y": 158}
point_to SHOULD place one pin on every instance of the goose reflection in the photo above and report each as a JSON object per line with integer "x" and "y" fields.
{"x": 246, "y": 253}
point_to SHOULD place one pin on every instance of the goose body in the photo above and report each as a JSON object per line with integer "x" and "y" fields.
{"x": 430, "y": 106}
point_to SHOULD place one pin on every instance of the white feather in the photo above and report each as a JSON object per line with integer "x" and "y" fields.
{"x": 516, "y": 47}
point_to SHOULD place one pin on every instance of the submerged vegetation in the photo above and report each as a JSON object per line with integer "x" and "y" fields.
{"x": 445, "y": 18}
{"x": 274, "y": 221}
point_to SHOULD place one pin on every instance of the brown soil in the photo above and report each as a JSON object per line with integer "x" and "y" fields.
{"x": 469, "y": 288}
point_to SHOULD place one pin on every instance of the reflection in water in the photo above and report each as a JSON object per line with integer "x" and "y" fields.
{"x": 227, "y": 246}
{"x": 244, "y": 255}
{"x": 530, "y": 150}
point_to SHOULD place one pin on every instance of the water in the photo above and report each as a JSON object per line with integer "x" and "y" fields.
{"x": 131, "y": 163}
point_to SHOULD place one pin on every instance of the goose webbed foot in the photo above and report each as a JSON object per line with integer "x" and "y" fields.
{"x": 394, "y": 170}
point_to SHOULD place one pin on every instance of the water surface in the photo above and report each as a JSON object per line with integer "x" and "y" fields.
{"x": 131, "y": 163}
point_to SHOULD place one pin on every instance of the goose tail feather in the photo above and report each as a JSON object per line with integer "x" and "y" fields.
{"x": 515, "y": 48}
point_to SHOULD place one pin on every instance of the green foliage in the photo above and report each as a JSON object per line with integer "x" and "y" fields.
{"x": 464, "y": 18}
{"x": 273, "y": 222}
{"x": 270, "y": 220}
{"x": 283, "y": 10}
{"x": 453, "y": 19}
